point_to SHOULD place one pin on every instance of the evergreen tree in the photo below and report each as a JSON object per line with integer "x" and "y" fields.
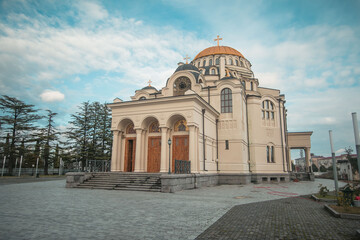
{"x": 48, "y": 135}
{"x": 56, "y": 157}
{"x": 18, "y": 119}
{"x": 78, "y": 134}
{"x": 106, "y": 135}
{"x": 90, "y": 136}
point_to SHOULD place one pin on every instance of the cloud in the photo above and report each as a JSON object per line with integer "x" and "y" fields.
{"x": 91, "y": 10}
{"x": 52, "y": 96}
{"x": 39, "y": 51}
{"x": 341, "y": 150}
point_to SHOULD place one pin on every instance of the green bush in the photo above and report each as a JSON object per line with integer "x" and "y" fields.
{"x": 314, "y": 168}
{"x": 323, "y": 190}
{"x": 322, "y": 168}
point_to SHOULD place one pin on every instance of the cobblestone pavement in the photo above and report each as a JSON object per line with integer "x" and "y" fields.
{"x": 290, "y": 218}
{"x": 48, "y": 210}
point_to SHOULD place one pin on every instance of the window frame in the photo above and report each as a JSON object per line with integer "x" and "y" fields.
{"x": 268, "y": 110}
{"x": 226, "y": 101}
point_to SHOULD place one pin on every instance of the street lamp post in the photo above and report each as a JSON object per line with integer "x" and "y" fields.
{"x": 169, "y": 142}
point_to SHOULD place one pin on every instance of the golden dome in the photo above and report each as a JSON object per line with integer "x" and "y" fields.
{"x": 218, "y": 50}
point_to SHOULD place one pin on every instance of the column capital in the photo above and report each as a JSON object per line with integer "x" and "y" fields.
{"x": 139, "y": 130}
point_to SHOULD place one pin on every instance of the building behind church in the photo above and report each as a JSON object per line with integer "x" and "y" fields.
{"x": 213, "y": 114}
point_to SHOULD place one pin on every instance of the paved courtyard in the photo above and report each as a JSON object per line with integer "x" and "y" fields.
{"x": 48, "y": 210}
{"x": 289, "y": 218}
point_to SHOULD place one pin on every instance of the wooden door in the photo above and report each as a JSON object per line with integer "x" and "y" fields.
{"x": 154, "y": 154}
{"x": 130, "y": 146}
{"x": 180, "y": 149}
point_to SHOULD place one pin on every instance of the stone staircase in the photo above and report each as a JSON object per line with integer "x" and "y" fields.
{"x": 149, "y": 182}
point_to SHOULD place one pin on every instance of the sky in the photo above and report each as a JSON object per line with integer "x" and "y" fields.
{"x": 58, "y": 54}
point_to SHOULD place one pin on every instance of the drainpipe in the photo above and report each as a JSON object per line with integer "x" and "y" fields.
{"x": 217, "y": 146}
{"x": 203, "y": 123}
{"x": 247, "y": 130}
{"x": 286, "y": 139}
{"x": 281, "y": 133}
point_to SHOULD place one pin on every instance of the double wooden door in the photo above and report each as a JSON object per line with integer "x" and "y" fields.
{"x": 154, "y": 154}
{"x": 180, "y": 149}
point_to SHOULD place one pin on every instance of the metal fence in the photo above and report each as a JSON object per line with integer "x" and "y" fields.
{"x": 182, "y": 166}
{"x": 98, "y": 166}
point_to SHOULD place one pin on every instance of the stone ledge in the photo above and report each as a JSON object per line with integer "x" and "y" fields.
{"x": 323, "y": 200}
{"x": 73, "y": 179}
{"x": 341, "y": 215}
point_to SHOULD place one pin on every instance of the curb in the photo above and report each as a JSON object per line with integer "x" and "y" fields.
{"x": 323, "y": 200}
{"x": 342, "y": 215}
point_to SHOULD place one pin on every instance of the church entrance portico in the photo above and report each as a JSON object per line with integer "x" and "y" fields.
{"x": 141, "y": 137}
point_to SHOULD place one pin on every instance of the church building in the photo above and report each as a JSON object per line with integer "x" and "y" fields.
{"x": 211, "y": 117}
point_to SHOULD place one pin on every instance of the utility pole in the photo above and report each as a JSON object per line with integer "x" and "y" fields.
{"x": 357, "y": 140}
{"x": 334, "y": 164}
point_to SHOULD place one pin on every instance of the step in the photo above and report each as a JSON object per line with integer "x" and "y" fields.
{"x": 120, "y": 184}
{"x": 121, "y": 188}
{"x": 125, "y": 182}
{"x": 138, "y": 189}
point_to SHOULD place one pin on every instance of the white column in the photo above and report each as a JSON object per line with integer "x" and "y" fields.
{"x": 192, "y": 149}
{"x": 164, "y": 148}
{"x": 143, "y": 163}
{"x": 114, "y": 153}
{"x": 289, "y": 158}
{"x": 138, "y": 150}
{"x": 119, "y": 163}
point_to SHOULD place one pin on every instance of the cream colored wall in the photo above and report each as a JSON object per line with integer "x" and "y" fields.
{"x": 266, "y": 132}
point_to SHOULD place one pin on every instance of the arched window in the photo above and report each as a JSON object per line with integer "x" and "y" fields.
{"x": 181, "y": 126}
{"x": 217, "y": 61}
{"x": 199, "y": 64}
{"x": 268, "y": 110}
{"x": 230, "y": 61}
{"x": 241, "y": 64}
{"x": 212, "y": 71}
{"x": 210, "y": 62}
{"x": 226, "y": 100}
{"x": 251, "y": 86}
{"x": 130, "y": 129}
{"x": 270, "y": 155}
{"x": 237, "y": 62}
{"x": 142, "y": 98}
{"x": 154, "y": 127}
{"x": 204, "y": 62}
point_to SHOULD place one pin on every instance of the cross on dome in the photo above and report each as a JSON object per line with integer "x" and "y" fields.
{"x": 218, "y": 39}
{"x": 186, "y": 58}
{"x": 149, "y": 83}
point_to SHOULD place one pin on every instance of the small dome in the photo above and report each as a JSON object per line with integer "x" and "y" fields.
{"x": 187, "y": 67}
{"x": 149, "y": 87}
{"x": 218, "y": 50}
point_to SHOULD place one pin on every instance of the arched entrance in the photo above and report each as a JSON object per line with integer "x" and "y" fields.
{"x": 180, "y": 142}
{"x": 130, "y": 148}
{"x": 154, "y": 147}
